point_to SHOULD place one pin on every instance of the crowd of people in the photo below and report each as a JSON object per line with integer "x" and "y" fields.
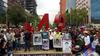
{"x": 83, "y": 39}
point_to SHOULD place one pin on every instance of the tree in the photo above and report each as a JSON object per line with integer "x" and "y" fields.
{"x": 2, "y": 18}
{"x": 76, "y": 16}
{"x": 53, "y": 25}
{"x": 67, "y": 19}
{"x": 16, "y": 14}
{"x": 34, "y": 19}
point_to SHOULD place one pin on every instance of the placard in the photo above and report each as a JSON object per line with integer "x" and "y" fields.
{"x": 45, "y": 35}
{"x": 37, "y": 39}
{"x": 57, "y": 43}
{"x": 45, "y": 45}
{"x": 67, "y": 46}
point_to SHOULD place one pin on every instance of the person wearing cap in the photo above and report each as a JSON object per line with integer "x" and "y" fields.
{"x": 86, "y": 40}
{"x": 78, "y": 45}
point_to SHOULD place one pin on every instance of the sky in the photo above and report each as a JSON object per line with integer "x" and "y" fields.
{"x": 70, "y": 4}
{"x": 47, "y": 6}
{"x": 5, "y": 3}
{"x": 51, "y": 7}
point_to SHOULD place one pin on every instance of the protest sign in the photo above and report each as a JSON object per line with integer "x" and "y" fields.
{"x": 45, "y": 45}
{"x": 45, "y": 35}
{"x": 37, "y": 39}
{"x": 67, "y": 46}
{"x": 57, "y": 43}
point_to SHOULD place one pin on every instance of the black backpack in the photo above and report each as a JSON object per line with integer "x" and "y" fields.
{"x": 91, "y": 38}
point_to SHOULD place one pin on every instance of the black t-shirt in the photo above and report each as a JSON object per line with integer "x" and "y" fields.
{"x": 27, "y": 36}
{"x": 17, "y": 35}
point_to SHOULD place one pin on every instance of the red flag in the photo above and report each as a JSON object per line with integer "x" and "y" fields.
{"x": 44, "y": 21}
{"x": 28, "y": 27}
{"x": 61, "y": 23}
{"x": 56, "y": 20}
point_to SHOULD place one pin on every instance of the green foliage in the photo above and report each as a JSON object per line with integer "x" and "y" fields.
{"x": 76, "y": 16}
{"x": 53, "y": 25}
{"x": 16, "y": 14}
{"x": 2, "y": 18}
{"x": 34, "y": 20}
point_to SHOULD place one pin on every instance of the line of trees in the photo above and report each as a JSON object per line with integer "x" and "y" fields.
{"x": 16, "y": 15}
{"x": 76, "y": 16}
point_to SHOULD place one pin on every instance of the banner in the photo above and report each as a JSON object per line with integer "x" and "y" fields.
{"x": 45, "y": 35}
{"x": 37, "y": 39}
{"x": 45, "y": 45}
{"x": 57, "y": 43}
{"x": 67, "y": 46}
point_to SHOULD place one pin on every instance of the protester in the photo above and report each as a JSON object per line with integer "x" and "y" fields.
{"x": 22, "y": 39}
{"x": 3, "y": 42}
{"x": 51, "y": 36}
{"x": 86, "y": 40}
{"x": 82, "y": 40}
{"x": 17, "y": 39}
{"x": 57, "y": 36}
{"x": 97, "y": 42}
{"x": 27, "y": 40}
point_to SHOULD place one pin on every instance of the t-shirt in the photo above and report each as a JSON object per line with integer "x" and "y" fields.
{"x": 67, "y": 36}
{"x": 26, "y": 36}
{"x": 2, "y": 41}
{"x": 87, "y": 40}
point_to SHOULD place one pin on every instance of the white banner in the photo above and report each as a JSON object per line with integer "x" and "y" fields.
{"x": 37, "y": 39}
{"x": 57, "y": 43}
{"x": 45, "y": 44}
{"x": 67, "y": 46}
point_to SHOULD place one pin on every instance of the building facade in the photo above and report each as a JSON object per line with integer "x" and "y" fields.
{"x": 2, "y": 6}
{"x": 30, "y": 5}
{"x": 70, "y": 4}
{"x": 82, "y": 4}
{"x": 62, "y": 6}
{"x": 85, "y": 4}
{"x": 63, "y": 11}
{"x": 95, "y": 11}
{"x": 92, "y": 7}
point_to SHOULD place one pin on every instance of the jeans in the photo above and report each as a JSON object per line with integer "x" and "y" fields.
{"x": 2, "y": 51}
{"x": 27, "y": 45}
{"x": 17, "y": 44}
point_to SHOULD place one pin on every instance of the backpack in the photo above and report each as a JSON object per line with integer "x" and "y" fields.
{"x": 80, "y": 42}
{"x": 91, "y": 38}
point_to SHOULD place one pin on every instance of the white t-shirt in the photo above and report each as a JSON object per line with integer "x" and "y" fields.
{"x": 94, "y": 43}
{"x": 52, "y": 35}
{"x": 87, "y": 40}
{"x": 67, "y": 36}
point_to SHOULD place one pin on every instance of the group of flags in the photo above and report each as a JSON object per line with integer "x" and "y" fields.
{"x": 59, "y": 21}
